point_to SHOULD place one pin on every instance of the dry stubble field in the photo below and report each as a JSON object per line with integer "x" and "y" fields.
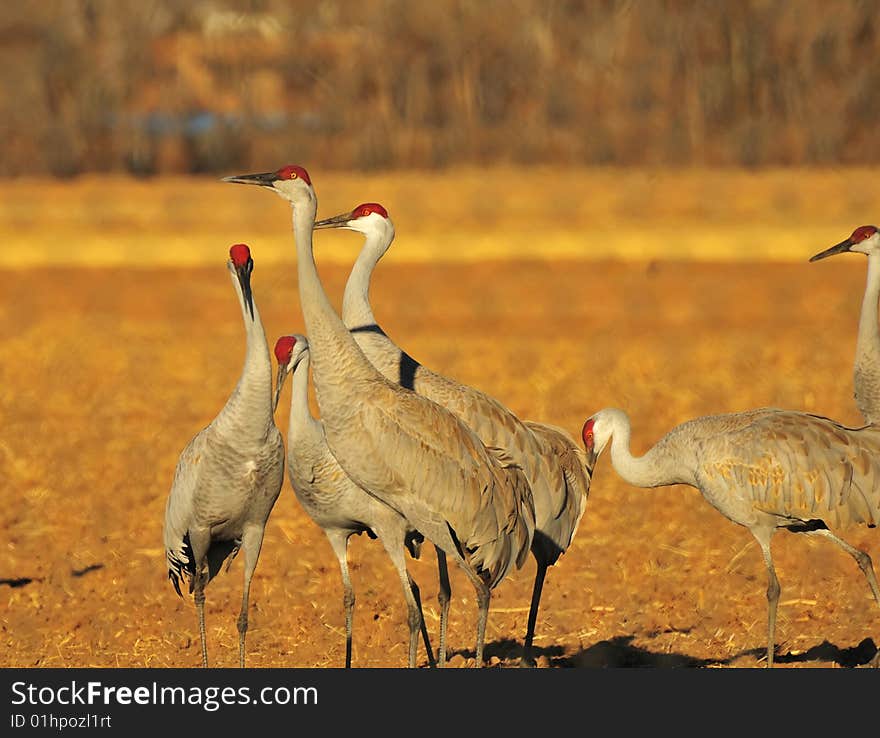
{"x": 107, "y": 372}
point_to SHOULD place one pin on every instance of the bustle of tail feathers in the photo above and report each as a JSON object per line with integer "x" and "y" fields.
{"x": 183, "y": 566}
{"x": 503, "y": 457}
{"x": 527, "y": 513}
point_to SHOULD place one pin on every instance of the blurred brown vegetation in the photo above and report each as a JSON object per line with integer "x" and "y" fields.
{"x": 168, "y": 86}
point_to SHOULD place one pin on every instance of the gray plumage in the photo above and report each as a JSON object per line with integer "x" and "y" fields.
{"x": 552, "y": 461}
{"x": 228, "y": 477}
{"x": 764, "y": 469}
{"x": 334, "y": 502}
{"x": 413, "y": 454}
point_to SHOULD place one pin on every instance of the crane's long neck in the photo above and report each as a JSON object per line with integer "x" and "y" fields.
{"x": 338, "y": 360}
{"x": 356, "y": 309}
{"x": 868, "y": 342}
{"x": 866, "y": 367}
{"x": 302, "y": 423}
{"x": 653, "y": 469}
{"x": 249, "y": 407}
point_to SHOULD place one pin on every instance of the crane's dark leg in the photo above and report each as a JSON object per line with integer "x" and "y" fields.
{"x": 339, "y": 543}
{"x": 763, "y": 536}
{"x": 424, "y": 628}
{"x": 527, "y": 658}
{"x": 864, "y": 561}
{"x": 443, "y": 597}
{"x": 413, "y": 600}
{"x": 251, "y": 543}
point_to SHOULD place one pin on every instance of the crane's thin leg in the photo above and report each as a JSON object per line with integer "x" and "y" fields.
{"x": 527, "y": 659}
{"x": 413, "y": 601}
{"x": 864, "y": 561}
{"x": 443, "y": 597}
{"x": 251, "y": 542}
{"x": 861, "y": 557}
{"x": 763, "y": 536}
{"x": 199, "y": 598}
{"x": 339, "y": 543}
{"x": 200, "y": 542}
{"x": 424, "y": 628}
{"x": 483, "y": 596}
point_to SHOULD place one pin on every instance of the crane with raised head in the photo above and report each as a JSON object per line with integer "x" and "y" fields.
{"x": 471, "y": 501}
{"x": 866, "y": 372}
{"x": 551, "y": 459}
{"x": 230, "y": 474}
{"x": 763, "y": 469}
{"x": 334, "y": 502}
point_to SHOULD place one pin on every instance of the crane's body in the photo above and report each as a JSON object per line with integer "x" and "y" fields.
{"x": 764, "y": 469}
{"x": 551, "y": 460}
{"x": 334, "y": 502}
{"x": 408, "y": 451}
{"x": 866, "y": 369}
{"x": 229, "y": 475}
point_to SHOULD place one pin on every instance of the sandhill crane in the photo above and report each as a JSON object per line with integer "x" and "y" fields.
{"x": 763, "y": 469}
{"x": 866, "y": 374}
{"x": 551, "y": 459}
{"x": 334, "y": 502}
{"x": 470, "y": 501}
{"x": 230, "y": 474}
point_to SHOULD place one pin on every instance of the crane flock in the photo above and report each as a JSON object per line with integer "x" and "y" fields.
{"x": 406, "y": 454}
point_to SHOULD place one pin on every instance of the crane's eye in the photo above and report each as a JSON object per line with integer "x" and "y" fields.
{"x": 293, "y": 175}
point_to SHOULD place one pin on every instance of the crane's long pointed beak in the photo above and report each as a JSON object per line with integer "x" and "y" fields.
{"x": 839, "y": 248}
{"x": 244, "y": 279}
{"x": 337, "y": 221}
{"x": 279, "y": 384}
{"x": 264, "y": 179}
{"x": 592, "y": 458}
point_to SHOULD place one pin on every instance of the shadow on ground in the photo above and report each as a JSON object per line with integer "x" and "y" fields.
{"x": 619, "y": 652}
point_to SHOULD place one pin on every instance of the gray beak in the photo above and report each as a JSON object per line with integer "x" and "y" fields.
{"x": 264, "y": 179}
{"x": 244, "y": 279}
{"x": 592, "y": 458}
{"x": 279, "y": 384}
{"x": 840, "y": 248}
{"x": 337, "y": 221}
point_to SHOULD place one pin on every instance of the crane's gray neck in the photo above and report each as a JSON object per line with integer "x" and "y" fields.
{"x": 250, "y": 404}
{"x": 869, "y": 332}
{"x": 356, "y": 310}
{"x": 866, "y": 367}
{"x": 653, "y": 469}
{"x": 337, "y": 358}
{"x": 301, "y": 422}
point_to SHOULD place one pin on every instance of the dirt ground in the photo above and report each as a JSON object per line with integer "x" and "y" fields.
{"x": 105, "y": 374}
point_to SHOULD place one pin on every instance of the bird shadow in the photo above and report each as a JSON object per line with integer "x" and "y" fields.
{"x": 619, "y": 652}
{"x": 507, "y": 651}
{"x": 86, "y": 570}
{"x": 847, "y": 658}
{"x": 18, "y": 581}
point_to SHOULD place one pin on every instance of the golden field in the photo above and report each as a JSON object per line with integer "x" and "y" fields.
{"x": 670, "y": 295}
